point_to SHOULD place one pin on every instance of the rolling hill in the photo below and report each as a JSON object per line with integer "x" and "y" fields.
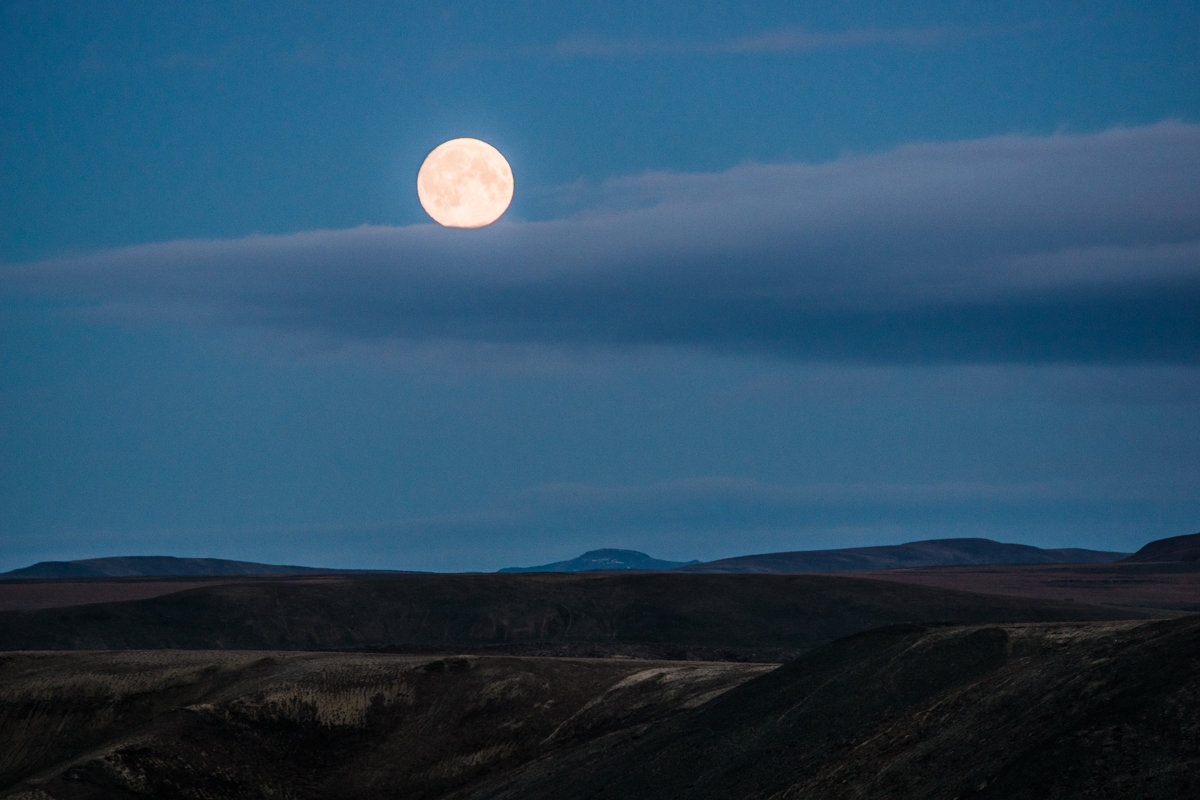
{"x": 647, "y": 614}
{"x": 933, "y": 552}
{"x": 604, "y": 560}
{"x": 146, "y": 566}
{"x": 1175, "y": 548}
{"x": 927, "y": 553}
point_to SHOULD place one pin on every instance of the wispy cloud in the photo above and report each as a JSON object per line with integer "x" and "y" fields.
{"x": 799, "y": 40}
{"x": 1079, "y": 248}
{"x": 779, "y": 41}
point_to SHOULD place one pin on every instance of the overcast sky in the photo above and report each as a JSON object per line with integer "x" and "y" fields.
{"x": 776, "y": 277}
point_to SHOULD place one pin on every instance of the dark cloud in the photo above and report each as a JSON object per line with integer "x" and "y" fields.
{"x": 1067, "y": 248}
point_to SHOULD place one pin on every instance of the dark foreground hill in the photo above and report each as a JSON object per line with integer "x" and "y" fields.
{"x": 656, "y": 614}
{"x": 991, "y": 713}
{"x": 143, "y": 566}
{"x": 1045, "y": 711}
{"x": 604, "y": 560}
{"x": 928, "y": 553}
{"x": 1176, "y": 548}
{"x": 209, "y": 724}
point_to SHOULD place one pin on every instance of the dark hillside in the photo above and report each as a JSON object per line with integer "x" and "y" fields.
{"x": 1176, "y": 548}
{"x": 205, "y": 725}
{"x": 671, "y": 615}
{"x": 993, "y": 713}
{"x": 1171, "y": 586}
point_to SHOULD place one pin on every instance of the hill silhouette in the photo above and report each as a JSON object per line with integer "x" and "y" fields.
{"x": 932, "y": 552}
{"x": 1175, "y": 548}
{"x": 145, "y": 566}
{"x": 604, "y": 560}
{"x": 926, "y": 553}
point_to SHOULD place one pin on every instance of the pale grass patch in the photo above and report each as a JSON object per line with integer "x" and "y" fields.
{"x": 514, "y": 687}
{"x": 331, "y": 707}
{"x": 1057, "y": 636}
{"x": 683, "y": 677}
{"x": 113, "y": 676}
{"x": 329, "y": 693}
{"x": 674, "y": 685}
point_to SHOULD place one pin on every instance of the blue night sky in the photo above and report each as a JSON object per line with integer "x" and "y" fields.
{"x": 776, "y": 276}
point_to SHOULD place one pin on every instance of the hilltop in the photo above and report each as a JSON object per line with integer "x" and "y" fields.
{"x": 1175, "y": 548}
{"x": 604, "y": 560}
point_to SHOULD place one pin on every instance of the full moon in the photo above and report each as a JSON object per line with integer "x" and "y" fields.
{"x": 465, "y": 183}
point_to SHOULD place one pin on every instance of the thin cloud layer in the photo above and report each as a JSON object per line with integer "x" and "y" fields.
{"x": 779, "y": 41}
{"x": 1077, "y": 248}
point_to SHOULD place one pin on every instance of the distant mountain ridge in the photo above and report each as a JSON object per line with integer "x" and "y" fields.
{"x": 154, "y": 566}
{"x": 925, "y": 553}
{"x": 604, "y": 560}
